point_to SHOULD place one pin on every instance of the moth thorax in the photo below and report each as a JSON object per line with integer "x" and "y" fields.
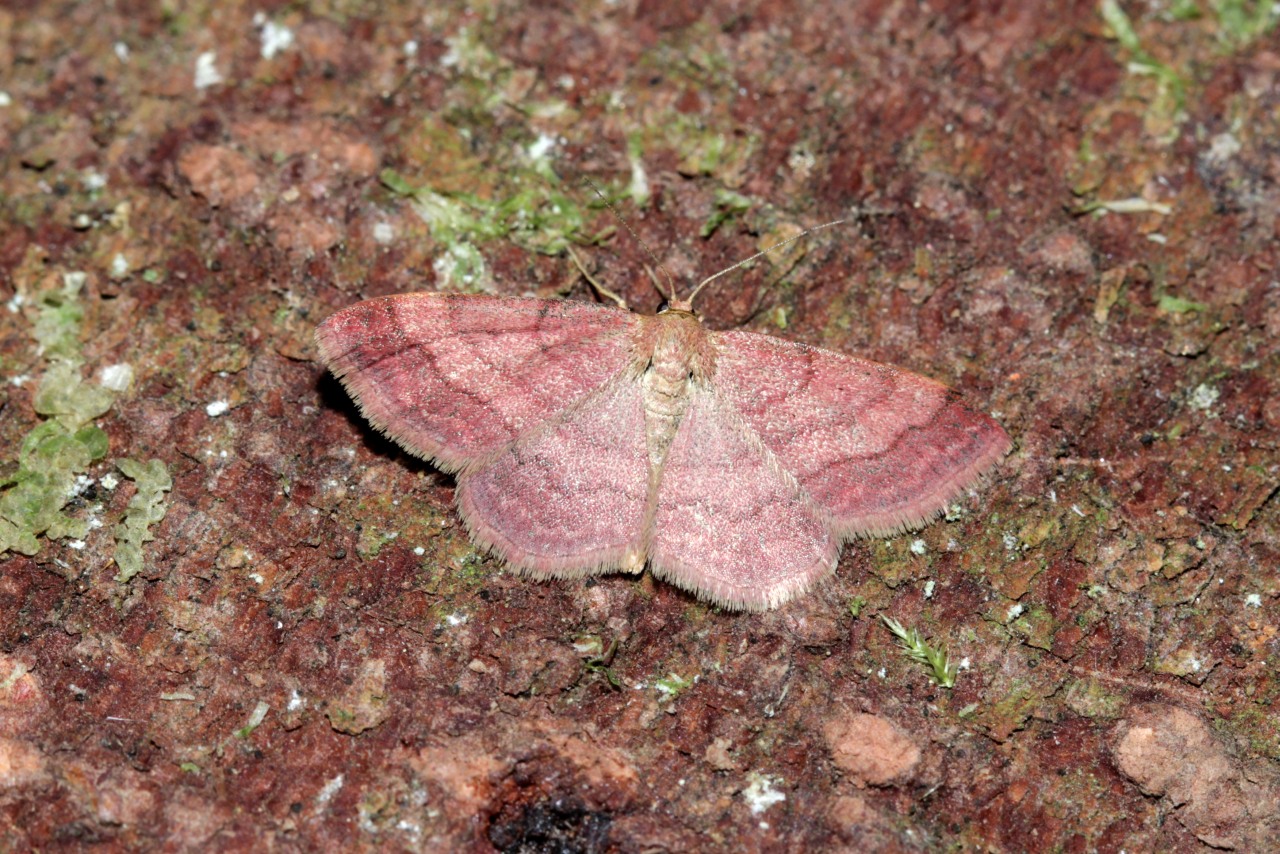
{"x": 674, "y": 364}
{"x": 666, "y": 385}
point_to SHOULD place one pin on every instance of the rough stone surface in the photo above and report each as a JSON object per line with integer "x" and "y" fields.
{"x": 871, "y": 749}
{"x": 1170, "y": 753}
{"x": 1085, "y": 251}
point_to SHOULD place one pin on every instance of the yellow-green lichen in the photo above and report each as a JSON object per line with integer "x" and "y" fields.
{"x": 146, "y": 508}
{"x": 50, "y": 461}
{"x": 57, "y": 327}
{"x": 57, "y": 451}
{"x": 372, "y": 540}
{"x": 1036, "y": 626}
{"x": 55, "y": 455}
{"x": 1092, "y": 698}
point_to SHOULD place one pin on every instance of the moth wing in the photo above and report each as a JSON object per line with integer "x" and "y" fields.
{"x": 730, "y": 524}
{"x": 567, "y": 499}
{"x": 453, "y": 377}
{"x": 879, "y": 448}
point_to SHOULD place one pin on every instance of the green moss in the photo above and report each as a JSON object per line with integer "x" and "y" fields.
{"x": 1121, "y": 26}
{"x": 256, "y": 717}
{"x": 146, "y": 508}
{"x": 537, "y": 218}
{"x": 707, "y": 150}
{"x": 1179, "y": 305}
{"x": 1172, "y": 94}
{"x": 472, "y": 57}
{"x": 473, "y": 568}
{"x": 1039, "y": 530}
{"x": 1242, "y": 21}
{"x": 673, "y": 685}
{"x": 942, "y": 670}
{"x": 1184, "y": 662}
{"x": 540, "y": 220}
{"x": 396, "y": 183}
{"x": 1010, "y": 713}
{"x": 728, "y": 204}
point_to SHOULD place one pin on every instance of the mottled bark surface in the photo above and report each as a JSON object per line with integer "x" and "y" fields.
{"x": 1068, "y": 212}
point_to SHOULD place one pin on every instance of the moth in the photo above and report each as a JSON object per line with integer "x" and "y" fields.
{"x": 589, "y": 439}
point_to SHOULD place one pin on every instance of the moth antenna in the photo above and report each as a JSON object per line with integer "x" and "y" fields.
{"x": 669, "y": 294}
{"x": 804, "y": 233}
{"x": 600, "y": 289}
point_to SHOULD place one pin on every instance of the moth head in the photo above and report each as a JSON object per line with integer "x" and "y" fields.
{"x": 671, "y": 302}
{"x": 677, "y": 306}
